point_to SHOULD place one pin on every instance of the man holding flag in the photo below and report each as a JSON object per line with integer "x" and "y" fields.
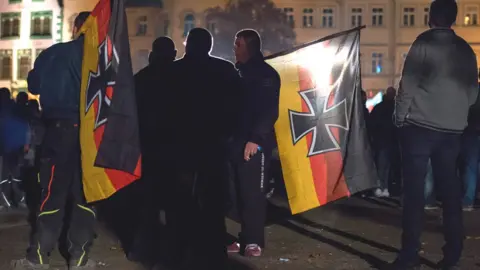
{"x": 56, "y": 78}
{"x": 254, "y": 139}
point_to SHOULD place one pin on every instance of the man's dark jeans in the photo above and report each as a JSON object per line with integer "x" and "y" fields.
{"x": 384, "y": 163}
{"x": 471, "y": 153}
{"x": 418, "y": 145}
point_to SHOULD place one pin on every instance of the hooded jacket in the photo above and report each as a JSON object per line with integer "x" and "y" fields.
{"x": 439, "y": 82}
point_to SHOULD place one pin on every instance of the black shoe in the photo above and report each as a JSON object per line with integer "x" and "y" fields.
{"x": 442, "y": 265}
{"x": 399, "y": 264}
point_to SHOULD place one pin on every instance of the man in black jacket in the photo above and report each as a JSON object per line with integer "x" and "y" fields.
{"x": 439, "y": 83}
{"x": 56, "y": 77}
{"x": 254, "y": 139}
{"x": 384, "y": 139}
{"x": 203, "y": 99}
{"x": 153, "y": 102}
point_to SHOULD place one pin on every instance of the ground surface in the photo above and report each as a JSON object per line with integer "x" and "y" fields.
{"x": 351, "y": 234}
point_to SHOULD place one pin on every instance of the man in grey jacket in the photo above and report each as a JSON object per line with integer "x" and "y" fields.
{"x": 438, "y": 86}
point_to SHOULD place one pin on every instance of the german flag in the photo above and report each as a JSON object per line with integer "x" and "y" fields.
{"x": 109, "y": 136}
{"x": 321, "y": 132}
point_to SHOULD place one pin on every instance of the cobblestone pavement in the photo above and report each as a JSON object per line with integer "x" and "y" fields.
{"x": 350, "y": 234}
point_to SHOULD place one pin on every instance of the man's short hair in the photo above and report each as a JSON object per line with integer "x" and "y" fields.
{"x": 163, "y": 45}
{"x": 199, "y": 40}
{"x": 80, "y": 19}
{"x": 252, "y": 39}
{"x": 443, "y": 13}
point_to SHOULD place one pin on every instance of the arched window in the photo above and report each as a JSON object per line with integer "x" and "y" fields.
{"x": 188, "y": 24}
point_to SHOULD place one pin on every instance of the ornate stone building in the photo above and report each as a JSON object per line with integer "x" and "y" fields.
{"x": 27, "y": 27}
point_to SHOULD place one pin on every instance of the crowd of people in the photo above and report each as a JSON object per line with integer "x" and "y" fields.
{"x": 204, "y": 120}
{"x": 20, "y": 134}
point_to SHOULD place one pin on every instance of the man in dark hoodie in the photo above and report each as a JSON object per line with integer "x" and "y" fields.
{"x": 384, "y": 139}
{"x": 56, "y": 77}
{"x": 438, "y": 85}
{"x": 152, "y": 85}
{"x": 254, "y": 140}
{"x": 203, "y": 100}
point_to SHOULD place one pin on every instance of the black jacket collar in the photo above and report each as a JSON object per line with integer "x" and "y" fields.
{"x": 253, "y": 61}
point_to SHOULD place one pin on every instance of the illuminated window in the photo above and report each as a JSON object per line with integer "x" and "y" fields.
{"x": 377, "y": 63}
{"x": 24, "y": 63}
{"x": 188, "y": 24}
{"x": 166, "y": 27}
{"x": 38, "y": 52}
{"x": 212, "y": 27}
{"x": 327, "y": 17}
{"x": 289, "y": 16}
{"x": 408, "y": 16}
{"x": 357, "y": 15}
{"x": 377, "y": 16}
{"x": 426, "y": 15}
{"x": 6, "y": 64}
{"x": 142, "y": 23}
{"x": 10, "y": 25}
{"x": 41, "y": 24}
{"x": 308, "y": 17}
{"x": 142, "y": 58}
{"x": 471, "y": 15}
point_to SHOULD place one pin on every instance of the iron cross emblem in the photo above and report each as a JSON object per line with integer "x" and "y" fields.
{"x": 319, "y": 121}
{"x": 100, "y": 81}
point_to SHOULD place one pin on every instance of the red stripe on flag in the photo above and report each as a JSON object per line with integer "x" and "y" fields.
{"x": 317, "y": 163}
{"x": 122, "y": 179}
{"x": 109, "y": 92}
{"x": 102, "y": 14}
{"x": 336, "y": 186}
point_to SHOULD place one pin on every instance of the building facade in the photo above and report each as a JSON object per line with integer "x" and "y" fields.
{"x": 146, "y": 19}
{"x": 27, "y": 27}
{"x": 392, "y": 26}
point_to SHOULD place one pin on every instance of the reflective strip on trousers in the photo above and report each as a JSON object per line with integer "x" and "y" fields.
{"x": 262, "y": 172}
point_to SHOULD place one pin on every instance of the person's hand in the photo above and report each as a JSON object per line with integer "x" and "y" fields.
{"x": 250, "y": 150}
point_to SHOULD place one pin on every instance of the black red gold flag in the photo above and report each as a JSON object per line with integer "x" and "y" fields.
{"x": 109, "y": 135}
{"x": 321, "y": 132}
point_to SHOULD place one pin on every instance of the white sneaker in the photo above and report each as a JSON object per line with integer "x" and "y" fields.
{"x": 385, "y": 193}
{"x": 378, "y": 193}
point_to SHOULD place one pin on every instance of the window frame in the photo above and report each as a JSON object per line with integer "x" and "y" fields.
{"x": 354, "y": 14}
{"x": 426, "y": 15}
{"x": 467, "y": 12}
{"x": 46, "y": 13}
{"x": 410, "y": 15}
{"x": 308, "y": 20}
{"x": 190, "y": 24}
{"x": 142, "y": 26}
{"x": 289, "y": 15}
{"x": 3, "y": 54}
{"x": 375, "y": 56}
{"x": 325, "y": 22}
{"x": 11, "y": 16}
{"x": 20, "y": 54}
{"x": 379, "y": 20}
